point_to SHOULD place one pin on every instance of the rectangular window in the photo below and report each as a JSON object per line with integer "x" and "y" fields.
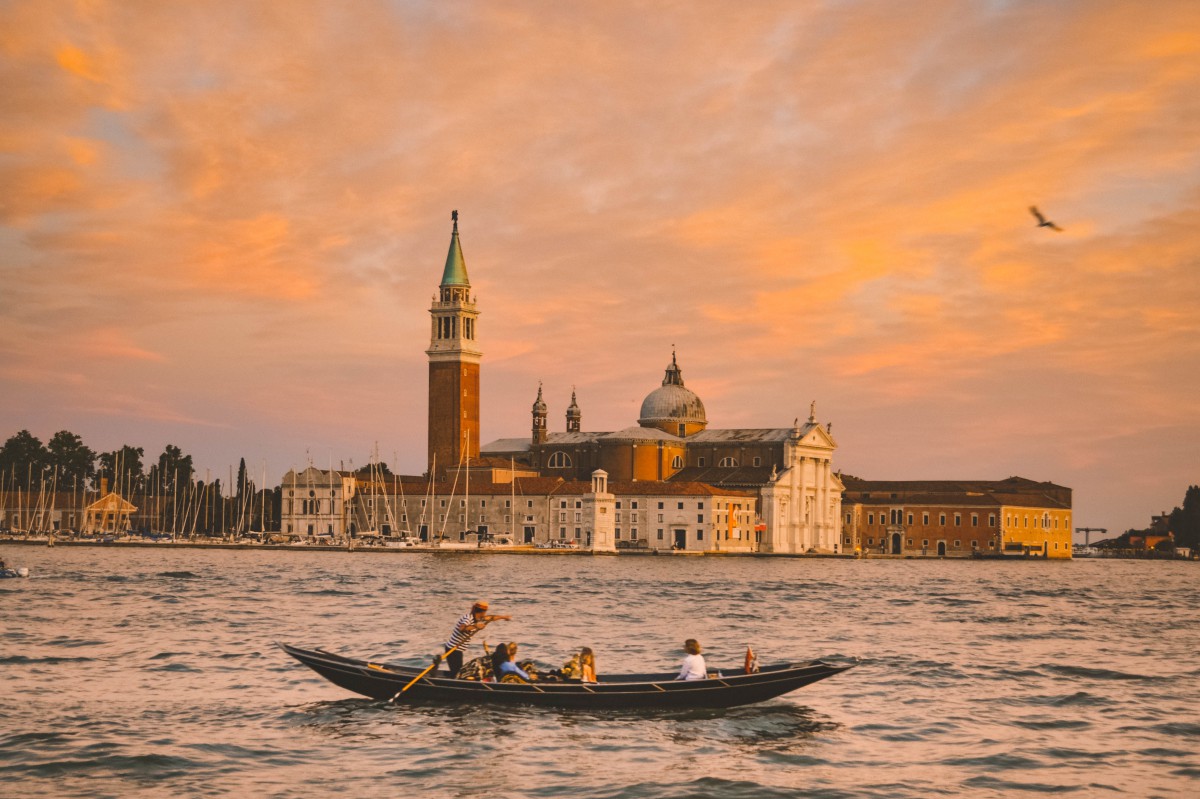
{"x": 462, "y": 503}
{"x": 991, "y": 520}
{"x": 925, "y": 542}
{"x": 562, "y": 516}
{"x": 699, "y": 535}
{"x": 633, "y": 533}
{"x": 633, "y": 504}
{"x": 660, "y": 535}
{"x": 660, "y": 506}
{"x": 617, "y": 532}
{"x": 530, "y": 503}
{"x": 925, "y": 519}
{"x": 562, "y": 503}
{"x": 660, "y": 517}
{"x": 618, "y": 504}
{"x": 700, "y": 505}
{"x": 942, "y": 519}
{"x": 578, "y": 504}
{"x": 870, "y": 541}
{"x": 562, "y": 532}
{"x": 871, "y": 518}
{"x": 577, "y": 532}
{"x": 957, "y": 544}
{"x": 700, "y": 518}
{"x": 958, "y": 520}
{"x": 974, "y": 519}
{"x": 699, "y": 461}
{"x": 680, "y": 506}
{"x": 578, "y": 517}
{"x": 910, "y": 518}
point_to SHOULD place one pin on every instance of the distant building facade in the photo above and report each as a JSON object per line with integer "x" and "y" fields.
{"x": 957, "y": 518}
{"x": 597, "y": 514}
{"x": 317, "y": 502}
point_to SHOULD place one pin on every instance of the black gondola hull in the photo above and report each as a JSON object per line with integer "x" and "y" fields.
{"x": 385, "y": 681}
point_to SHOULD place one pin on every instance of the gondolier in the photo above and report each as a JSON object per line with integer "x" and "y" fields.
{"x": 467, "y": 625}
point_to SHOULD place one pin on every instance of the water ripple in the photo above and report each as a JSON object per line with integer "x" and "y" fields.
{"x": 153, "y": 672}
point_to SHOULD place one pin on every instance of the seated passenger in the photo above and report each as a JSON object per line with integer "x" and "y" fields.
{"x": 587, "y": 665}
{"x": 581, "y": 667}
{"x": 693, "y": 664}
{"x": 505, "y": 669}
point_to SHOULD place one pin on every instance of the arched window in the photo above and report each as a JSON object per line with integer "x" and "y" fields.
{"x": 559, "y": 460}
{"x": 728, "y": 462}
{"x": 677, "y": 462}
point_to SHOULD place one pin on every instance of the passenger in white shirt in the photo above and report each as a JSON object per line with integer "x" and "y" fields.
{"x": 693, "y": 663}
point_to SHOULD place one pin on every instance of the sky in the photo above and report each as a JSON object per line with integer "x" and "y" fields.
{"x": 222, "y": 225}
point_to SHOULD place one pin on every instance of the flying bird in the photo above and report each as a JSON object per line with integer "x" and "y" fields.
{"x": 1043, "y": 221}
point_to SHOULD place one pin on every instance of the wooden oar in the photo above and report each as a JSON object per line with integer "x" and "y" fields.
{"x": 431, "y": 667}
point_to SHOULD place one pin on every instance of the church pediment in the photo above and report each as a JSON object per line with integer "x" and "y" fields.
{"x": 817, "y": 436}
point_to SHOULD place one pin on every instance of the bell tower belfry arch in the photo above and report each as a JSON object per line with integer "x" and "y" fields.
{"x": 454, "y": 358}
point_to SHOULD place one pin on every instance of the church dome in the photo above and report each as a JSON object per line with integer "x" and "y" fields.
{"x": 672, "y": 402}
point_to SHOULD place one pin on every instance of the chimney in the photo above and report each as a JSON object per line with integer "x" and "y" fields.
{"x": 103, "y": 486}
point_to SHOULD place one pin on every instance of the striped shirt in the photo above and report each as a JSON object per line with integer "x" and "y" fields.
{"x": 460, "y": 636}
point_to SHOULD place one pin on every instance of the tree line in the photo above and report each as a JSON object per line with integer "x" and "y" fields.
{"x": 167, "y": 492}
{"x": 1183, "y": 521}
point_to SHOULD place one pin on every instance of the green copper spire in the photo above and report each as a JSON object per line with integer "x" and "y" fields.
{"x": 455, "y": 273}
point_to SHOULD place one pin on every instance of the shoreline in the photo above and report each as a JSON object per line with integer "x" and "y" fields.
{"x": 453, "y": 549}
{"x": 423, "y": 550}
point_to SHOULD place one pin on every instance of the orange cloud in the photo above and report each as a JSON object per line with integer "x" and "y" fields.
{"x": 76, "y": 62}
{"x": 111, "y": 343}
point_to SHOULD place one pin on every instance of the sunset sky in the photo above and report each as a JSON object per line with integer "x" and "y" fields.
{"x": 221, "y": 226}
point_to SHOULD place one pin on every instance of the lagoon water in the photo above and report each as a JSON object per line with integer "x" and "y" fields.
{"x": 153, "y": 672}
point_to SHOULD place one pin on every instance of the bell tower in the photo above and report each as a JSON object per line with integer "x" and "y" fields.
{"x": 574, "y": 415}
{"x": 454, "y": 357}
{"x": 539, "y": 418}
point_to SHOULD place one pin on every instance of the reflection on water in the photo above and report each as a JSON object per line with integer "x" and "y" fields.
{"x": 154, "y": 672}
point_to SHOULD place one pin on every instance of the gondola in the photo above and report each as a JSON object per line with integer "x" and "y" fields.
{"x": 383, "y": 681}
